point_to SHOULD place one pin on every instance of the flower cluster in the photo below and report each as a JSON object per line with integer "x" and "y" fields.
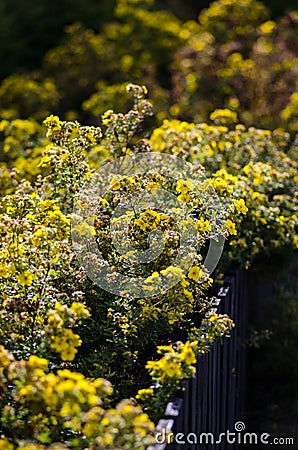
{"x": 65, "y": 408}
{"x": 175, "y": 364}
{"x": 250, "y": 166}
{"x": 34, "y": 244}
{"x": 168, "y": 372}
{"x": 213, "y": 326}
{"x": 178, "y": 360}
{"x": 64, "y": 340}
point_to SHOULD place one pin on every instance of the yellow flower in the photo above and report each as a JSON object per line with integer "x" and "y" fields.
{"x": 68, "y": 354}
{"x": 108, "y": 439}
{"x": 53, "y": 122}
{"x": 144, "y": 393}
{"x": 66, "y": 343}
{"x": 26, "y": 278}
{"x": 3, "y": 124}
{"x": 141, "y": 223}
{"x": 267, "y": 27}
{"x": 10, "y": 210}
{"x": 257, "y": 195}
{"x": 224, "y": 116}
{"x": 213, "y": 317}
{"x": 240, "y": 206}
{"x": 69, "y": 408}
{"x": 258, "y": 179}
{"x": 6, "y": 445}
{"x": 165, "y": 348}
{"x": 107, "y": 117}
{"x": 6, "y": 270}
{"x": 139, "y": 422}
{"x": 248, "y": 168}
{"x": 187, "y": 355}
{"x": 105, "y": 421}
{"x": 184, "y": 198}
{"x": 35, "y": 362}
{"x": 150, "y": 219}
{"x": 231, "y": 227}
{"x": 131, "y": 180}
{"x": 152, "y": 185}
{"x": 195, "y": 273}
{"x": 172, "y": 369}
{"x": 172, "y": 271}
{"x": 79, "y": 309}
{"x": 38, "y": 232}
{"x": 184, "y": 186}
{"x": 203, "y": 225}
{"x": 36, "y": 240}
{"x": 154, "y": 278}
{"x": 173, "y": 317}
{"x": 295, "y": 241}
{"x": 142, "y": 418}
{"x": 222, "y": 185}
{"x": 58, "y": 343}
{"x": 116, "y": 186}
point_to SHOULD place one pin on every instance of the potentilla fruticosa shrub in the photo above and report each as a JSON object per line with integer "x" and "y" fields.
{"x": 62, "y": 335}
{"x": 258, "y": 166}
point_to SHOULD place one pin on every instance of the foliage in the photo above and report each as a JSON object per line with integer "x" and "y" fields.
{"x": 132, "y": 48}
{"x": 59, "y": 344}
{"x": 258, "y": 166}
{"x": 65, "y": 406}
{"x": 26, "y": 33}
{"x": 21, "y": 146}
{"x": 23, "y": 97}
{"x": 61, "y": 335}
{"x": 60, "y": 315}
{"x": 191, "y": 67}
{"x": 140, "y": 324}
{"x": 238, "y": 59}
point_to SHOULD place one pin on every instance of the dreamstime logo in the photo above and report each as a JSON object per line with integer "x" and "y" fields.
{"x": 97, "y": 264}
{"x": 238, "y": 436}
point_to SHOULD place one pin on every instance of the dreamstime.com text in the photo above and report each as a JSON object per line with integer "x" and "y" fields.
{"x": 238, "y": 436}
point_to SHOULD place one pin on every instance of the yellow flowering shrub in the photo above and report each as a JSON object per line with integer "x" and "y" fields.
{"x": 56, "y": 354}
{"x": 34, "y": 243}
{"x": 23, "y": 96}
{"x": 22, "y": 143}
{"x": 254, "y": 167}
{"x": 132, "y": 47}
{"x": 65, "y": 409}
{"x": 62, "y": 335}
{"x": 171, "y": 366}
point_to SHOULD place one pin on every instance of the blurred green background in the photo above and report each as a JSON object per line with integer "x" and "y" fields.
{"x": 29, "y": 29}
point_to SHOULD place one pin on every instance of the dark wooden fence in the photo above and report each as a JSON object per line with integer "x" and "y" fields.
{"x": 213, "y": 401}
